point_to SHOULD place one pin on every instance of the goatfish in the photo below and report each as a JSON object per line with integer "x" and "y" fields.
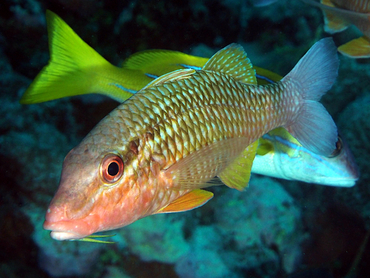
{"x": 75, "y": 68}
{"x": 157, "y": 150}
{"x": 339, "y": 14}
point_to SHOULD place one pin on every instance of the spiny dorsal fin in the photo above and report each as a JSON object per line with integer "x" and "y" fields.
{"x": 232, "y": 60}
{"x": 172, "y": 76}
{"x": 237, "y": 174}
{"x": 191, "y": 200}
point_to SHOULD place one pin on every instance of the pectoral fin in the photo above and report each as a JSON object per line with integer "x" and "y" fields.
{"x": 198, "y": 168}
{"x": 191, "y": 200}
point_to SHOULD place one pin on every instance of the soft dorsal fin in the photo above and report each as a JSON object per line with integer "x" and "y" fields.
{"x": 191, "y": 200}
{"x": 172, "y": 76}
{"x": 237, "y": 173}
{"x": 232, "y": 60}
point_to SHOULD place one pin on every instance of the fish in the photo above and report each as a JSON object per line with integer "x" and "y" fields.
{"x": 88, "y": 72}
{"x": 158, "y": 150}
{"x": 53, "y": 82}
{"x": 281, "y": 156}
{"x": 339, "y": 14}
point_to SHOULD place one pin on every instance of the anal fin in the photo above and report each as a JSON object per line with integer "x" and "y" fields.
{"x": 237, "y": 173}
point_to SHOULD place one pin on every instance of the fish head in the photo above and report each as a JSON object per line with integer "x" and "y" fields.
{"x": 101, "y": 188}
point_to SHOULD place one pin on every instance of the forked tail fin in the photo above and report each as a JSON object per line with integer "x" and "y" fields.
{"x": 74, "y": 67}
{"x": 315, "y": 73}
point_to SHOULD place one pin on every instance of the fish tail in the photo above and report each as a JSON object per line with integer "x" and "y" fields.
{"x": 74, "y": 67}
{"x": 314, "y": 74}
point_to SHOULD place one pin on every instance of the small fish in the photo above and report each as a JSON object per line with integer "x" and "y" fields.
{"x": 156, "y": 151}
{"x": 280, "y": 155}
{"x": 138, "y": 70}
{"x": 339, "y": 14}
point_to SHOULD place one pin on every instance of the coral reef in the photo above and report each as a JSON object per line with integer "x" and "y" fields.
{"x": 157, "y": 238}
{"x": 263, "y": 222}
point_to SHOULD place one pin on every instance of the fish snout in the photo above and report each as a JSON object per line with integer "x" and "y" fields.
{"x": 63, "y": 228}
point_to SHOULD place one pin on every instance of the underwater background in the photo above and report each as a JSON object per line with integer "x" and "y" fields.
{"x": 276, "y": 228}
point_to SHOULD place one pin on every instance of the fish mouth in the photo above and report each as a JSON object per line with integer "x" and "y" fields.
{"x": 68, "y": 230}
{"x": 64, "y": 228}
{"x": 64, "y": 236}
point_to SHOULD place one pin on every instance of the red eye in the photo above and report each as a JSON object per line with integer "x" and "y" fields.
{"x": 112, "y": 168}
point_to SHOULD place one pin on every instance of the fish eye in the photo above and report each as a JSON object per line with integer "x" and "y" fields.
{"x": 111, "y": 168}
{"x": 338, "y": 149}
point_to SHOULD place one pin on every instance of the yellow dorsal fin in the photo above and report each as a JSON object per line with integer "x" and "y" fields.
{"x": 191, "y": 200}
{"x": 172, "y": 76}
{"x": 357, "y": 48}
{"x": 232, "y": 60}
{"x": 158, "y": 62}
{"x": 237, "y": 173}
{"x": 198, "y": 168}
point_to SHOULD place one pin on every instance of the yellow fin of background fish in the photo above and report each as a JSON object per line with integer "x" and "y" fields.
{"x": 158, "y": 62}
{"x": 193, "y": 171}
{"x": 191, "y": 200}
{"x": 264, "y": 147}
{"x": 75, "y": 68}
{"x": 233, "y": 61}
{"x": 237, "y": 173}
{"x": 171, "y": 76}
{"x": 357, "y": 48}
{"x": 333, "y": 22}
{"x": 285, "y": 135}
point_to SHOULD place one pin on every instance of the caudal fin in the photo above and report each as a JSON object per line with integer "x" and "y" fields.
{"x": 315, "y": 73}
{"x": 72, "y": 68}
